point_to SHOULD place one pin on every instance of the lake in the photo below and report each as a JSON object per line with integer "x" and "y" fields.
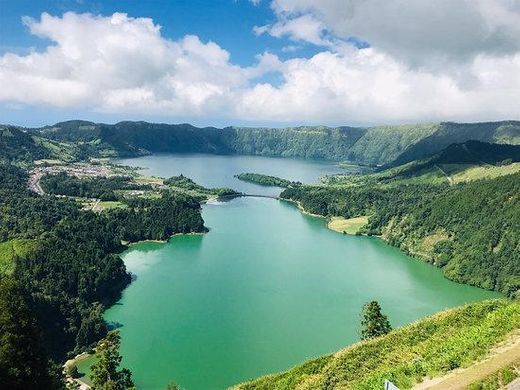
{"x": 218, "y": 171}
{"x": 267, "y": 288}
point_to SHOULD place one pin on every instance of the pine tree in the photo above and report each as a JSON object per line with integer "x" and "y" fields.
{"x": 373, "y": 322}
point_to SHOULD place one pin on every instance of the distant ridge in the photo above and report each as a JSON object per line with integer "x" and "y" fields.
{"x": 373, "y": 146}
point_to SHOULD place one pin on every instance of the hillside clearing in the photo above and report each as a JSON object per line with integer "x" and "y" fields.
{"x": 347, "y": 226}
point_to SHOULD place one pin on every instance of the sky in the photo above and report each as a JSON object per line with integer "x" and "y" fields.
{"x": 259, "y": 62}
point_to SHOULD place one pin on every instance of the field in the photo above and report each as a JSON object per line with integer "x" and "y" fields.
{"x": 348, "y": 226}
{"x": 406, "y": 356}
{"x": 485, "y": 172}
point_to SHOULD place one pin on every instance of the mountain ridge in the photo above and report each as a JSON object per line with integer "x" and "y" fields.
{"x": 379, "y": 145}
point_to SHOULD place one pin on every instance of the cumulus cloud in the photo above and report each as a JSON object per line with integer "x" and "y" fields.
{"x": 118, "y": 63}
{"x": 421, "y": 33}
{"x": 122, "y": 65}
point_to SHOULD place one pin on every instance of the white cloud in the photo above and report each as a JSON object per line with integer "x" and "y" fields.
{"x": 122, "y": 65}
{"x": 302, "y": 28}
{"x": 118, "y": 63}
{"x": 429, "y": 33}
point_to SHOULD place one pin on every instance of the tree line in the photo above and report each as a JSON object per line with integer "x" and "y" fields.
{"x": 74, "y": 272}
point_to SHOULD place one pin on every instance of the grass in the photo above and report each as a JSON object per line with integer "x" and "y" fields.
{"x": 485, "y": 172}
{"x": 149, "y": 180}
{"x": 430, "y": 347}
{"x": 347, "y": 226}
{"x": 110, "y": 205}
{"x": 499, "y": 379}
{"x": 10, "y": 250}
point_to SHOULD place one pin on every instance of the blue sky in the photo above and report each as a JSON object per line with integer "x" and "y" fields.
{"x": 228, "y": 22}
{"x": 268, "y": 62}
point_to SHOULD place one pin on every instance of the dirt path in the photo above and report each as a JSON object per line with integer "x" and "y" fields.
{"x": 462, "y": 378}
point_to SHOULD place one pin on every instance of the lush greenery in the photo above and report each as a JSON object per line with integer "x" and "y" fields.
{"x": 185, "y": 183}
{"x": 429, "y": 347}
{"x": 266, "y": 180}
{"x": 470, "y": 230}
{"x": 23, "y": 360}
{"x": 373, "y": 322}
{"x": 471, "y": 160}
{"x": 12, "y": 250}
{"x": 499, "y": 379}
{"x": 377, "y": 145}
{"x": 103, "y": 188}
{"x": 19, "y": 146}
{"x": 105, "y": 372}
{"x": 72, "y": 270}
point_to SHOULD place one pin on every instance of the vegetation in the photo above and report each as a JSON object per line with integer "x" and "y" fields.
{"x": 12, "y": 250}
{"x": 374, "y": 146}
{"x": 429, "y": 347}
{"x": 19, "y": 146}
{"x": 184, "y": 183}
{"x": 72, "y": 271}
{"x": 347, "y": 226}
{"x": 105, "y": 372}
{"x": 266, "y": 180}
{"x": 373, "y": 322}
{"x": 470, "y": 230}
{"x": 23, "y": 360}
{"x": 472, "y": 160}
{"x": 499, "y": 379}
{"x": 103, "y": 188}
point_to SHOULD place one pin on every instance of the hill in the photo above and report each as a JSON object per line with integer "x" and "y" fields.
{"x": 430, "y": 347}
{"x": 468, "y": 161}
{"x": 371, "y": 146}
{"x": 470, "y": 230}
{"x": 18, "y": 146}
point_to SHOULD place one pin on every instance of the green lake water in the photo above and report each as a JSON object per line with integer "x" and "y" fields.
{"x": 267, "y": 288}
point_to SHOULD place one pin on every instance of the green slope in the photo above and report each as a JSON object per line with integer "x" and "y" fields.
{"x": 430, "y": 347}
{"x": 373, "y": 146}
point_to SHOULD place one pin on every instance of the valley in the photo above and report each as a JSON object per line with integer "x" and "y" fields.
{"x": 256, "y": 257}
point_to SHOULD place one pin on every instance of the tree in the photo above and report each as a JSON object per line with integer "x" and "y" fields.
{"x": 373, "y": 322}
{"x": 23, "y": 361}
{"x": 105, "y": 373}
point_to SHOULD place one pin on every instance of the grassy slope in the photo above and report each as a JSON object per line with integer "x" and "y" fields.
{"x": 13, "y": 249}
{"x": 430, "y": 347}
{"x": 348, "y": 226}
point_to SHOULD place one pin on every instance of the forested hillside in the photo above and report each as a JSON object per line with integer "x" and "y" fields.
{"x": 69, "y": 269}
{"x": 19, "y": 146}
{"x": 372, "y": 146}
{"x": 470, "y": 230}
{"x": 430, "y": 347}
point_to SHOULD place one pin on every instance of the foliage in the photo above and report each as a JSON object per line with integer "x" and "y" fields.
{"x": 12, "y": 250}
{"x": 95, "y": 187}
{"x": 186, "y": 183}
{"x": 499, "y": 379}
{"x": 105, "y": 372}
{"x": 477, "y": 223}
{"x": 377, "y": 145}
{"x": 429, "y": 347}
{"x": 23, "y": 361}
{"x": 266, "y": 180}
{"x": 19, "y": 146}
{"x": 373, "y": 322}
{"x": 74, "y": 272}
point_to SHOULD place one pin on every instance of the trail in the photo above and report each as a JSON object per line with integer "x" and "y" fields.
{"x": 462, "y": 378}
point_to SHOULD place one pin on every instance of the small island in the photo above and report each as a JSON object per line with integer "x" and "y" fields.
{"x": 266, "y": 180}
